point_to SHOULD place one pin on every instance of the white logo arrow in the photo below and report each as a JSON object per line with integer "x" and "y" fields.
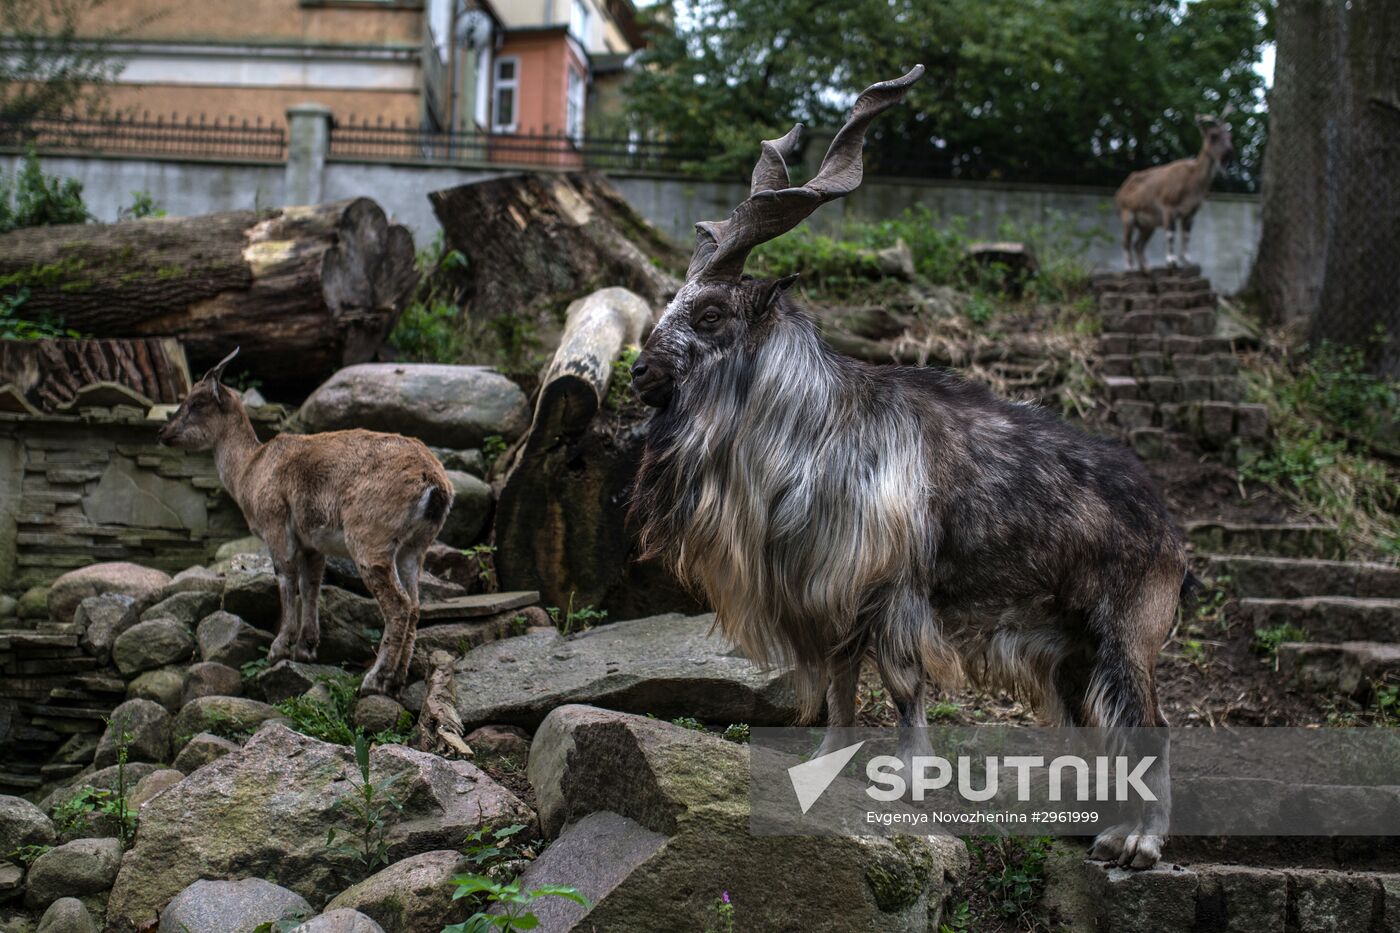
{"x": 811, "y": 778}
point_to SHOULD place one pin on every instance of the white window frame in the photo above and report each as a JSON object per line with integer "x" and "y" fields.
{"x": 499, "y": 84}
{"x": 485, "y": 69}
{"x": 575, "y": 104}
{"x": 580, "y": 19}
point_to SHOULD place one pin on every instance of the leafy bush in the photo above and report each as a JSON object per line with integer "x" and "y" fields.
{"x": 14, "y": 327}
{"x": 369, "y": 809}
{"x": 1267, "y": 640}
{"x": 142, "y": 205}
{"x": 430, "y": 330}
{"x": 29, "y": 198}
{"x": 333, "y": 721}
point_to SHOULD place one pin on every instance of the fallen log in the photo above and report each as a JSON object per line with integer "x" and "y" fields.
{"x": 63, "y": 375}
{"x": 439, "y": 729}
{"x": 537, "y": 241}
{"x": 561, "y": 515}
{"x": 303, "y": 290}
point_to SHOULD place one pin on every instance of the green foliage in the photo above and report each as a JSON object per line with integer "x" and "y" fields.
{"x": 488, "y": 848}
{"x": 142, "y": 205}
{"x": 1267, "y": 640}
{"x": 485, "y": 557}
{"x": 957, "y": 918}
{"x": 48, "y": 70}
{"x": 723, "y": 908}
{"x": 333, "y": 720}
{"x": 368, "y": 809}
{"x": 285, "y": 925}
{"x": 24, "y": 856}
{"x": 431, "y": 330}
{"x": 493, "y": 446}
{"x": 253, "y": 668}
{"x": 514, "y": 901}
{"x": 1074, "y": 91}
{"x": 1328, "y": 414}
{"x": 620, "y": 386}
{"x": 14, "y": 327}
{"x": 688, "y": 722}
{"x": 738, "y": 732}
{"x": 29, "y": 198}
{"x": 1012, "y": 872}
{"x": 570, "y": 619}
{"x": 70, "y": 815}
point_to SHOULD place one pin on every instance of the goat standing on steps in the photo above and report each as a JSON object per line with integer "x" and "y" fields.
{"x": 378, "y": 499}
{"x": 833, "y": 511}
{"x": 1169, "y": 196}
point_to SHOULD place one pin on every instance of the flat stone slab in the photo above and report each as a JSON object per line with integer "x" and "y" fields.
{"x": 470, "y": 607}
{"x": 1328, "y": 618}
{"x": 1298, "y": 577}
{"x": 667, "y": 666}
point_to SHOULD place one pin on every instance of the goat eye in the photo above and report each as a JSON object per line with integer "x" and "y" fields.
{"x": 710, "y": 316}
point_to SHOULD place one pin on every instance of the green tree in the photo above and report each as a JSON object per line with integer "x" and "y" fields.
{"x": 1079, "y": 91}
{"x": 48, "y": 64}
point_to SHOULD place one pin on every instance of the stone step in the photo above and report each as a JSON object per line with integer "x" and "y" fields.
{"x": 1160, "y": 275}
{"x": 18, "y": 640}
{"x": 1117, "y": 341}
{"x": 1327, "y": 618}
{"x": 1160, "y": 364}
{"x": 1214, "y": 421}
{"x": 1175, "y": 388}
{"x": 1225, "y": 898}
{"x": 1198, "y": 322}
{"x": 1347, "y": 667}
{"x": 475, "y": 606}
{"x": 1291, "y": 539}
{"x": 1297, "y": 577}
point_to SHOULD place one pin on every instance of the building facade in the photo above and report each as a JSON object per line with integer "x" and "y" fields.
{"x": 465, "y": 66}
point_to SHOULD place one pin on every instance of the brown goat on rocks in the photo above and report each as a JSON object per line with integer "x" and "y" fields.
{"x": 834, "y": 511}
{"x": 1168, "y": 196}
{"x": 378, "y": 499}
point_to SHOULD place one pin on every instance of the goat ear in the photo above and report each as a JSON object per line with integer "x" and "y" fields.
{"x": 773, "y": 290}
{"x": 217, "y": 373}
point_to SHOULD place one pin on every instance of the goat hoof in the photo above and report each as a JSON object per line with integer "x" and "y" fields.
{"x": 305, "y": 655}
{"x": 1141, "y": 850}
{"x": 1108, "y": 845}
{"x": 278, "y": 653}
{"x": 376, "y": 686}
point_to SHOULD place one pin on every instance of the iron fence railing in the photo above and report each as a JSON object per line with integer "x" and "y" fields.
{"x": 173, "y": 136}
{"x": 390, "y": 142}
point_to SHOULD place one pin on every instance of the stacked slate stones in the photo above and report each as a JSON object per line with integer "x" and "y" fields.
{"x": 1171, "y": 383}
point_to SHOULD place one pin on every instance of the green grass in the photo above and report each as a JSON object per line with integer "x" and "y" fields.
{"x": 333, "y": 720}
{"x": 1267, "y": 640}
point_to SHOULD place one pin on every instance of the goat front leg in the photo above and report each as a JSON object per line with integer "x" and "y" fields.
{"x": 1186, "y": 223}
{"x": 289, "y": 626}
{"x": 1171, "y": 227}
{"x": 311, "y": 567}
{"x": 840, "y": 705}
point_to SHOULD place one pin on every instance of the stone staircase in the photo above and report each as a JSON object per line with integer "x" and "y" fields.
{"x": 1278, "y": 574}
{"x": 1168, "y": 378}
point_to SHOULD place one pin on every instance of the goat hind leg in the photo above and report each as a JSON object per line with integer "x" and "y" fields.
{"x": 840, "y": 704}
{"x": 381, "y": 577}
{"x": 284, "y": 564}
{"x": 311, "y": 567}
{"x": 409, "y": 563}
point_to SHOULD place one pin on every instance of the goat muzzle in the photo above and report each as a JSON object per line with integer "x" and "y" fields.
{"x": 652, "y": 385}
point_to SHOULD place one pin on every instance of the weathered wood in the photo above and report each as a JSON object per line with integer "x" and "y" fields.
{"x": 537, "y": 241}
{"x": 63, "y": 375}
{"x": 596, "y": 330}
{"x": 303, "y": 290}
{"x": 439, "y": 729}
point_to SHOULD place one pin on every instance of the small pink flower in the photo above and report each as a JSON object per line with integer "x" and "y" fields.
{"x": 725, "y": 897}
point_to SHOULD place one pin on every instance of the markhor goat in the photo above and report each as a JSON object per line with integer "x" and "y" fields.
{"x": 834, "y": 511}
{"x": 1168, "y": 196}
{"x": 378, "y": 499}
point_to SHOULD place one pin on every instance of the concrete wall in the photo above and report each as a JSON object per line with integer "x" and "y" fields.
{"x": 1225, "y": 239}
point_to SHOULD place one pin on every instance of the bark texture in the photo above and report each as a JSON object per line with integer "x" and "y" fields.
{"x": 63, "y": 375}
{"x": 303, "y": 290}
{"x": 535, "y": 242}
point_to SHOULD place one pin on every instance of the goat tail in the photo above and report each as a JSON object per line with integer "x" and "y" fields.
{"x": 436, "y": 500}
{"x": 1191, "y": 587}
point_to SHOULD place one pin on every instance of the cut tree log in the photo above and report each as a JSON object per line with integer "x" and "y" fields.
{"x": 535, "y": 242}
{"x": 303, "y": 290}
{"x": 439, "y": 729}
{"x": 561, "y": 516}
{"x": 64, "y": 375}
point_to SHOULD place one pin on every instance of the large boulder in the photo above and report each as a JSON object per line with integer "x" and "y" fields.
{"x": 411, "y": 895}
{"x": 446, "y": 406}
{"x": 229, "y": 717}
{"x": 655, "y": 851}
{"x": 165, "y": 685}
{"x": 147, "y": 727}
{"x": 74, "y": 869}
{"x": 668, "y": 666}
{"x": 151, "y": 644}
{"x": 152, "y": 784}
{"x": 266, "y": 810}
{"x": 225, "y": 638}
{"x": 471, "y": 509}
{"x": 187, "y": 608}
{"x": 350, "y": 624}
{"x": 140, "y": 583}
{"x": 211, "y": 679}
{"x": 193, "y": 579}
{"x": 230, "y": 907}
{"x": 288, "y": 679}
{"x": 23, "y": 824}
{"x": 340, "y": 921}
{"x": 250, "y": 592}
{"x": 202, "y": 749}
{"x": 67, "y": 915}
{"x": 103, "y": 618}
